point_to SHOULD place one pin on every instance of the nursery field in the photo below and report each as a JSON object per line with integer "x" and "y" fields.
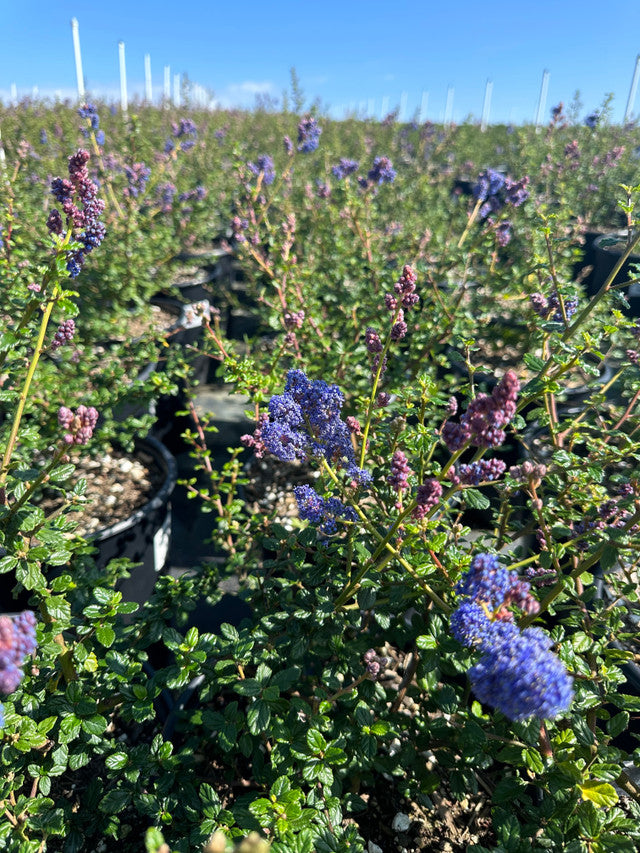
{"x": 320, "y": 483}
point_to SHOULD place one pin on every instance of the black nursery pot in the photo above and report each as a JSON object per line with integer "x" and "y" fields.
{"x": 608, "y": 249}
{"x": 145, "y": 536}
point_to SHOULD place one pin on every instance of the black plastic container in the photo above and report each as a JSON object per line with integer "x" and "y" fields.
{"x": 145, "y": 536}
{"x": 608, "y": 249}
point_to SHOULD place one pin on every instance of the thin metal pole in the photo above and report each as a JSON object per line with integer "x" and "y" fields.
{"x": 632, "y": 91}
{"x": 78, "y": 57}
{"x": 486, "y": 106}
{"x": 167, "y": 85}
{"x": 123, "y": 79}
{"x": 424, "y": 103}
{"x": 448, "y": 110}
{"x": 542, "y": 100}
{"x": 148, "y": 88}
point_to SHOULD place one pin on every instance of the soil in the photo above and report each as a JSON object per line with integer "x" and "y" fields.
{"x": 269, "y": 492}
{"x": 117, "y": 485}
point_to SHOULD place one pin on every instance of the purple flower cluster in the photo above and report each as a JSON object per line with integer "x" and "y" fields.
{"x": 64, "y": 334}
{"x": 382, "y": 171}
{"x": 137, "y": 178}
{"x": 187, "y": 131}
{"x": 400, "y": 472}
{"x": 374, "y": 663}
{"x": 199, "y": 193}
{"x": 482, "y": 425}
{"x": 166, "y": 193}
{"x": 83, "y": 220}
{"x": 517, "y": 672}
{"x": 495, "y": 191}
{"x": 474, "y": 473}
{"x": 592, "y": 119}
{"x": 344, "y": 168}
{"x": 17, "y": 642}
{"x": 543, "y": 306}
{"x": 308, "y": 134}
{"x": 265, "y": 167}
{"x": 80, "y": 425}
{"x": 304, "y": 423}
{"x": 427, "y": 496}
{"x": 293, "y": 320}
{"x": 324, "y": 512}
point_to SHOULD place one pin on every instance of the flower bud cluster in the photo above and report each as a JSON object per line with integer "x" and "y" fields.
{"x": 528, "y": 472}
{"x": 374, "y": 663}
{"x": 474, "y": 473}
{"x": 427, "y": 496}
{"x": 517, "y": 673}
{"x": 64, "y": 334}
{"x": 544, "y": 307}
{"x": 83, "y": 220}
{"x": 482, "y": 425}
{"x": 17, "y": 642}
{"x": 80, "y": 425}
{"x": 400, "y": 472}
{"x": 293, "y": 319}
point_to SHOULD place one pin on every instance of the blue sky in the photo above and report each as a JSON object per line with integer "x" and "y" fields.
{"x": 366, "y": 55}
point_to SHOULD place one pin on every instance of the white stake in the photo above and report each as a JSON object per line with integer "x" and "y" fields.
{"x": 385, "y": 107}
{"x": 78, "y": 56}
{"x": 14, "y": 93}
{"x": 371, "y": 107}
{"x": 542, "y": 101}
{"x": 176, "y": 90}
{"x": 424, "y": 103}
{"x": 448, "y": 110}
{"x": 167, "y": 85}
{"x": 148, "y": 88}
{"x": 402, "y": 115}
{"x": 632, "y": 91}
{"x": 486, "y": 106}
{"x": 123, "y": 79}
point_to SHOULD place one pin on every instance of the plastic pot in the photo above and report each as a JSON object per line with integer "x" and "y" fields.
{"x": 608, "y": 249}
{"x": 144, "y": 537}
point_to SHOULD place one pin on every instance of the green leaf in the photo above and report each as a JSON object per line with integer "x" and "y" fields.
{"x": 618, "y": 724}
{"x": 316, "y": 741}
{"x": 106, "y": 635}
{"x": 533, "y": 760}
{"x": 258, "y": 716}
{"x": 475, "y": 499}
{"x": 117, "y": 761}
{"x": 115, "y": 801}
{"x": 69, "y": 728}
{"x": 601, "y": 794}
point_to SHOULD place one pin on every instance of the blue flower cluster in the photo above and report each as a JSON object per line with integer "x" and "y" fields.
{"x": 517, "y": 674}
{"x": 324, "y": 512}
{"x": 495, "y": 191}
{"x": 17, "y": 642}
{"x": 345, "y": 167}
{"x": 265, "y": 166}
{"x": 305, "y": 423}
{"x": 89, "y": 111}
{"x": 308, "y": 135}
{"x": 382, "y": 171}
